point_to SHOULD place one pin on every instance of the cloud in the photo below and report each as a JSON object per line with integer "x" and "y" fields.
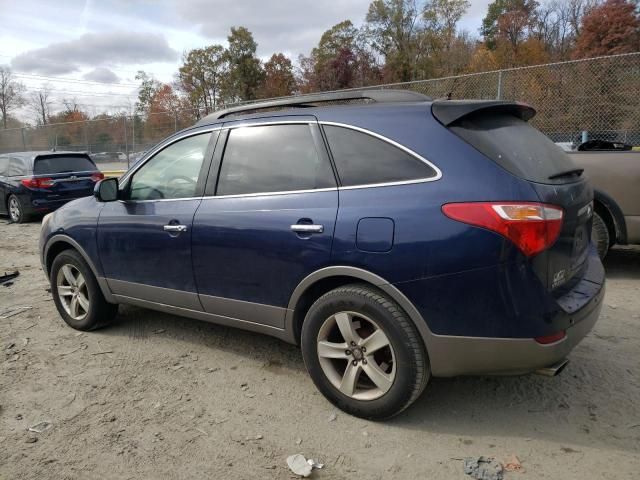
{"x": 102, "y": 74}
{"x": 286, "y": 25}
{"x": 96, "y": 50}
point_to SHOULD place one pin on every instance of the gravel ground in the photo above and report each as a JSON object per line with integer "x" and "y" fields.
{"x": 158, "y": 396}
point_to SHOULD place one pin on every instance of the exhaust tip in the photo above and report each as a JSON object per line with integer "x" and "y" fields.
{"x": 554, "y": 369}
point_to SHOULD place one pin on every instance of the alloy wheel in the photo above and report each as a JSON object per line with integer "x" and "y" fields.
{"x": 356, "y": 356}
{"x": 14, "y": 209}
{"x": 73, "y": 292}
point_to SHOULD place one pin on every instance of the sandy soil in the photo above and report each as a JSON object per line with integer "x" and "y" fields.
{"x": 157, "y": 396}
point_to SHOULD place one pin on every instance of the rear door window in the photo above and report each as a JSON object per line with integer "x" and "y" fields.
{"x": 17, "y": 167}
{"x": 516, "y": 146}
{"x": 362, "y": 159}
{"x": 272, "y": 158}
{"x": 50, "y": 165}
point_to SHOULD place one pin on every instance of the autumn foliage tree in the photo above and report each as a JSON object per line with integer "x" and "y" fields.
{"x": 279, "y": 80}
{"x": 608, "y": 29}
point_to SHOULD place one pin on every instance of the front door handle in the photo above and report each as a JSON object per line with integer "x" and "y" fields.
{"x": 175, "y": 228}
{"x": 304, "y": 228}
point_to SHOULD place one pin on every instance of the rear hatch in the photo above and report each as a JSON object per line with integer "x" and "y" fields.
{"x": 500, "y": 131}
{"x": 66, "y": 176}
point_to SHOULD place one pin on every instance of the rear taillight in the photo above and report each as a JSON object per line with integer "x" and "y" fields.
{"x": 533, "y": 227}
{"x": 37, "y": 182}
{"x": 96, "y": 177}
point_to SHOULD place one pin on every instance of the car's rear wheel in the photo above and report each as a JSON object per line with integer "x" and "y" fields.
{"x": 76, "y": 293}
{"x": 600, "y": 235}
{"x": 363, "y": 353}
{"x": 16, "y": 210}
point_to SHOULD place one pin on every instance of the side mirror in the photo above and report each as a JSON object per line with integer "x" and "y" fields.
{"x": 106, "y": 190}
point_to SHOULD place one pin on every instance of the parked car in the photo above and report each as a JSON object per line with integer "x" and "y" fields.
{"x": 393, "y": 241}
{"x": 615, "y": 176}
{"x": 39, "y": 182}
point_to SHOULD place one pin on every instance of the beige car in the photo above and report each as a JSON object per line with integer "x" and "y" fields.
{"x": 615, "y": 176}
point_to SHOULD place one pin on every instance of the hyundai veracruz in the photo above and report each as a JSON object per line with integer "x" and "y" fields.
{"x": 392, "y": 237}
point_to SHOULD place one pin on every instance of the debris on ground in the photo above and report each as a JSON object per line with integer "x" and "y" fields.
{"x": 41, "y": 427}
{"x": 7, "y": 278}
{"x": 301, "y": 466}
{"x": 10, "y": 312}
{"x": 512, "y": 464}
{"x": 332, "y": 417}
{"x": 31, "y": 440}
{"x": 483, "y": 468}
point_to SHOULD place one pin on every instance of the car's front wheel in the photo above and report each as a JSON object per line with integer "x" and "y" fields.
{"x": 363, "y": 353}
{"x": 76, "y": 293}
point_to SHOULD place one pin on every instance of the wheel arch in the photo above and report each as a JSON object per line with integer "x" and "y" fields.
{"x": 605, "y": 206}
{"x": 321, "y": 281}
{"x": 59, "y": 243}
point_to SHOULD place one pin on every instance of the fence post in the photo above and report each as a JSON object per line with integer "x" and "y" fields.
{"x": 133, "y": 135}
{"x": 86, "y": 137}
{"x": 499, "y": 95}
{"x": 175, "y": 122}
{"x": 126, "y": 141}
{"x": 24, "y": 141}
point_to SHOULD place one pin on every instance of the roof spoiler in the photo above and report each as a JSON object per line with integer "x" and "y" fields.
{"x": 449, "y": 111}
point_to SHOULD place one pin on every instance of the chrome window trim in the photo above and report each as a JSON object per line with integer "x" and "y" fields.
{"x": 268, "y": 194}
{"x": 152, "y": 153}
{"x": 437, "y": 176}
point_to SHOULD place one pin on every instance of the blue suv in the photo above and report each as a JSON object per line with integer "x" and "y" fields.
{"x": 392, "y": 237}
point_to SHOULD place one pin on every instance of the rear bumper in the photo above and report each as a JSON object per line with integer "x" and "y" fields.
{"x": 451, "y": 356}
{"x": 462, "y": 355}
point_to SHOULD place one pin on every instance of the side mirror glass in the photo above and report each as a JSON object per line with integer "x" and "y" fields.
{"x": 106, "y": 190}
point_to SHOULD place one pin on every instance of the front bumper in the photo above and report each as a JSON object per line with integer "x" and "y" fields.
{"x": 458, "y": 355}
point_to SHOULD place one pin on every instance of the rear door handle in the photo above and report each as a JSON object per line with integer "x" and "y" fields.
{"x": 304, "y": 228}
{"x": 175, "y": 228}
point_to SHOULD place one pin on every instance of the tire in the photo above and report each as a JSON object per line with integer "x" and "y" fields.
{"x": 600, "y": 235}
{"x": 360, "y": 311}
{"x": 16, "y": 210}
{"x": 91, "y": 310}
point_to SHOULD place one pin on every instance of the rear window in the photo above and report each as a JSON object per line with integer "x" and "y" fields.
{"x": 62, "y": 164}
{"x": 362, "y": 159}
{"x": 516, "y": 146}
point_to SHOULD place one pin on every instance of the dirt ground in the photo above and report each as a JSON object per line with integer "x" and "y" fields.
{"x": 158, "y": 396}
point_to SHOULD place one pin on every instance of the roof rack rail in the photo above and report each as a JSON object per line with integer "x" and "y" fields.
{"x": 303, "y": 101}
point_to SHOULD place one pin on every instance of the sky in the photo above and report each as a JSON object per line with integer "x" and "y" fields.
{"x": 91, "y": 50}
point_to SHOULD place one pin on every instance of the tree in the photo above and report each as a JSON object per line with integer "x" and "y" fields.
{"x": 11, "y": 94}
{"x": 340, "y": 60}
{"x": 201, "y": 76}
{"x": 443, "y": 16}
{"x": 394, "y": 28}
{"x": 245, "y": 70}
{"x": 40, "y": 104}
{"x": 279, "y": 80}
{"x": 509, "y": 19}
{"x": 609, "y": 29}
{"x": 148, "y": 86}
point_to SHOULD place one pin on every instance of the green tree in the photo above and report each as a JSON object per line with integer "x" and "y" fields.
{"x": 396, "y": 31}
{"x": 245, "y": 70}
{"x": 148, "y": 87}
{"x": 508, "y": 19}
{"x": 201, "y": 76}
{"x": 442, "y": 16}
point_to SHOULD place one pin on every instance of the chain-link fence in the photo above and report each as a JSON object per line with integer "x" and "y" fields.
{"x": 593, "y": 98}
